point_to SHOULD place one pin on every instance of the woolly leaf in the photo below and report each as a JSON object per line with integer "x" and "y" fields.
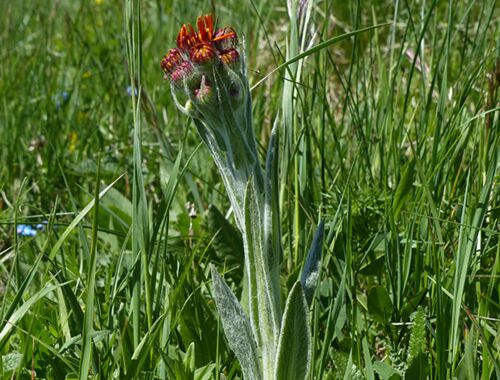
{"x": 236, "y": 327}
{"x": 310, "y": 274}
{"x": 294, "y": 346}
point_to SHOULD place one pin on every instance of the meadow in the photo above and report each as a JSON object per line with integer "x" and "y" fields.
{"x": 112, "y": 210}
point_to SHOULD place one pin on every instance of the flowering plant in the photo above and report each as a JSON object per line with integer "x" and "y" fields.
{"x": 208, "y": 81}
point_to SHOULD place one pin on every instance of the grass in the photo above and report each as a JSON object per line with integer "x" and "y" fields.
{"x": 390, "y": 136}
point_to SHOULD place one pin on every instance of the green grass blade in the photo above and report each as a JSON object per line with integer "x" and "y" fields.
{"x": 88, "y": 326}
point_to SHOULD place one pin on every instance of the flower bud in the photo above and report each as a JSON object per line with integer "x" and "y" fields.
{"x": 171, "y": 61}
{"x": 225, "y": 38}
{"x": 205, "y": 94}
{"x": 230, "y": 57}
{"x": 184, "y": 73}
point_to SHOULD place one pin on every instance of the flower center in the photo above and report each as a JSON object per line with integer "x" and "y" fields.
{"x": 202, "y": 53}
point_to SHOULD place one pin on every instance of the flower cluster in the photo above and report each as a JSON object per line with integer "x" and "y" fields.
{"x": 200, "y": 58}
{"x": 208, "y": 81}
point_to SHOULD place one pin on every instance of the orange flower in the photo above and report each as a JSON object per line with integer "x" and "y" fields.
{"x": 202, "y": 53}
{"x": 189, "y": 38}
{"x": 205, "y": 26}
{"x": 204, "y": 56}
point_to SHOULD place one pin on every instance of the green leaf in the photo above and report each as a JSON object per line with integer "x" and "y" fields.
{"x": 350, "y": 369}
{"x": 417, "y": 358}
{"x": 272, "y": 171}
{"x": 404, "y": 186}
{"x": 79, "y": 218}
{"x": 469, "y": 365}
{"x": 189, "y": 359}
{"x": 272, "y": 216}
{"x": 380, "y": 304}
{"x": 263, "y": 301}
{"x": 294, "y": 346}
{"x": 310, "y": 274}
{"x": 236, "y": 327}
{"x": 411, "y": 303}
{"x": 119, "y": 208}
{"x": 143, "y": 349}
{"x": 471, "y": 222}
{"x": 88, "y": 326}
{"x": 386, "y": 372}
{"x": 205, "y": 372}
{"x": 227, "y": 239}
{"x": 23, "y": 309}
{"x": 418, "y": 368}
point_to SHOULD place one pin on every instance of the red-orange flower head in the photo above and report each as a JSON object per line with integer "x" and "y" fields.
{"x": 205, "y": 26}
{"x": 202, "y": 53}
{"x": 188, "y": 37}
{"x": 204, "y": 56}
{"x": 204, "y": 45}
